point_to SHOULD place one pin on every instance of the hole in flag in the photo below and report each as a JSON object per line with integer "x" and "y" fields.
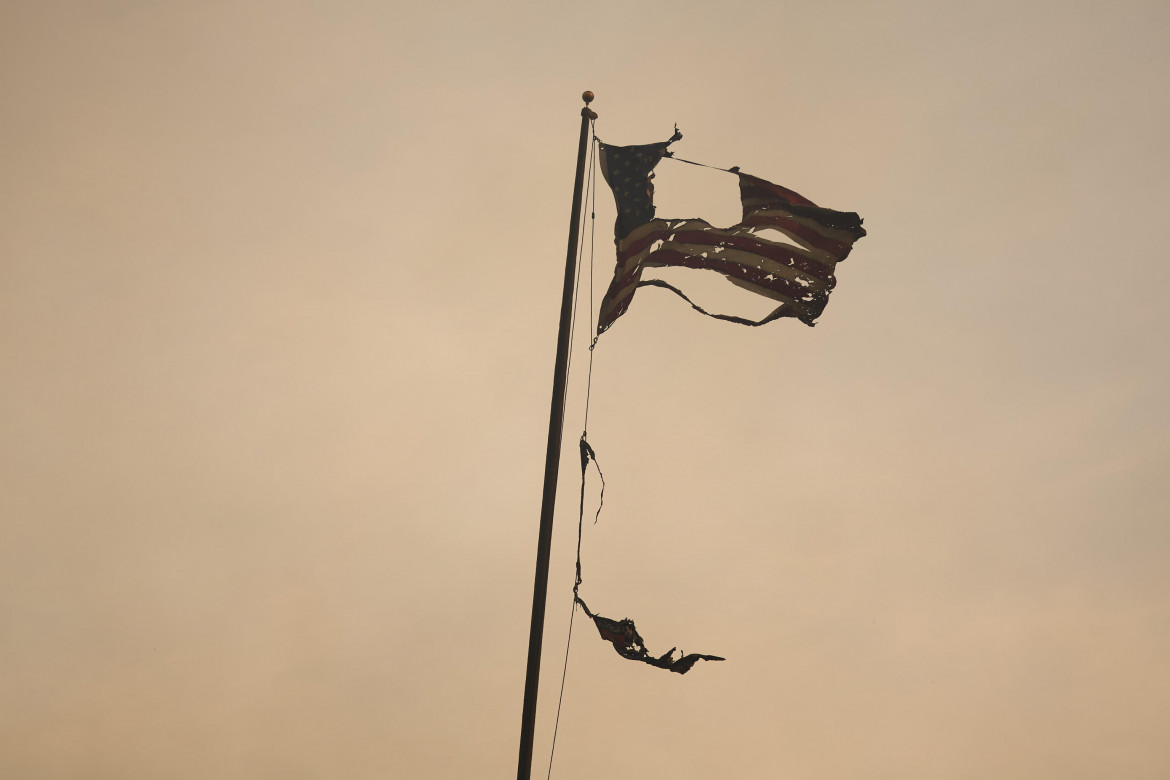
{"x": 713, "y": 292}
{"x": 771, "y": 234}
{"x": 687, "y": 191}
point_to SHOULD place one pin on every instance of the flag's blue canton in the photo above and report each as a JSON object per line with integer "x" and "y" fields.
{"x": 627, "y": 169}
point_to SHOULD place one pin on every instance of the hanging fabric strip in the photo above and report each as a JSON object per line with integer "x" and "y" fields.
{"x": 587, "y": 454}
{"x": 622, "y": 634}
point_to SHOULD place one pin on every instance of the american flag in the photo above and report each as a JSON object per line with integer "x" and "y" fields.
{"x": 799, "y": 276}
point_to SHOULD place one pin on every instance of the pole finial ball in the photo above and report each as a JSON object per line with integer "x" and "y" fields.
{"x": 587, "y": 96}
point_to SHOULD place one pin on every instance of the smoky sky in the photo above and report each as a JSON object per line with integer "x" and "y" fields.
{"x": 278, "y": 294}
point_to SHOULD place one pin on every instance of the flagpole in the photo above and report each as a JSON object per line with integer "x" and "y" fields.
{"x": 552, "y": 461}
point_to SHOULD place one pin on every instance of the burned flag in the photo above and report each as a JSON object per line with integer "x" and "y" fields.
{"x": 798, "y": 276}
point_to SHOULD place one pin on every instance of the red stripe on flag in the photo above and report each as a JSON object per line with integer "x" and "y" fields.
{"x": 808, "y": 296}
{"x": 805, "y": 233}
{"x": 760, "y": 247}
{"x": 750, "y": 186}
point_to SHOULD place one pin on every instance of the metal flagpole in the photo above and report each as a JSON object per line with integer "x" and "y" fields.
{"x": 552, "y": 460}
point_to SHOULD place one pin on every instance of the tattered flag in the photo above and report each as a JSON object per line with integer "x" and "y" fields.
{"x": 798, "y": 276}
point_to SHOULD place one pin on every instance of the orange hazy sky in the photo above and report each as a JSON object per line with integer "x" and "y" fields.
{"x": 278, "y": 296}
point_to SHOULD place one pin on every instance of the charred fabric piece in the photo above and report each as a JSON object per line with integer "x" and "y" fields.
{"x": 800, "y": 277}
{"x": 628, "y": 642}
{"x": 621, "y": 633}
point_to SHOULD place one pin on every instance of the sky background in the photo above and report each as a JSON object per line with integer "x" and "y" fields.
{"x": 279, "y": 287}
